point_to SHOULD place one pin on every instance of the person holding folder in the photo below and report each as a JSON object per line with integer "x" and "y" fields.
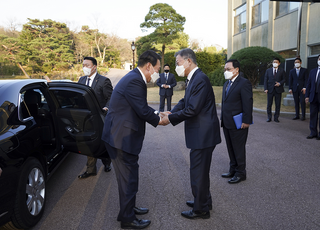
{"x": 236, "y": 99}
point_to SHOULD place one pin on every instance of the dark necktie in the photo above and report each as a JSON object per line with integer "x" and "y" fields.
{"x": 274, "y": 73}
{"x": 228, "y": 87}
{"x": 317, "y": 80}
{"x": 88, "y": 82}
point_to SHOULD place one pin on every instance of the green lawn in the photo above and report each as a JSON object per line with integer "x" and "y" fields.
{"x": 259, "y": 98}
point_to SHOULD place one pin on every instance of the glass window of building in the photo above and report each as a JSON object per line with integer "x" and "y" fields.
{"x": 240, "y": 19}
{"x": 260, "y": 11}
{"x": 315, "y": 50}
{"x": 285, "y": 7}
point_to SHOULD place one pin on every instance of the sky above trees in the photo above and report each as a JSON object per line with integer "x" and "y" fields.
{"x": 206, "y": 20}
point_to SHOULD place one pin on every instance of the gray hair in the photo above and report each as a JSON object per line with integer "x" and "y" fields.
{"x": 187, "y": 53}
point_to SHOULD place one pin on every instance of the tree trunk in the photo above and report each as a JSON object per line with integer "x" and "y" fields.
{"x": 162, "y": 56}
{"x": 104, "y": 54}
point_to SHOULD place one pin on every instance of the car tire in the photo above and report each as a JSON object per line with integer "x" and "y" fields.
{"x": 31, "y": 195}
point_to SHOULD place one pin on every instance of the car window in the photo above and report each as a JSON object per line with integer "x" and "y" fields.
{"x": 5, "y": 110}
{"x": 32, "y": 101}
{"x": 69, "y": 99}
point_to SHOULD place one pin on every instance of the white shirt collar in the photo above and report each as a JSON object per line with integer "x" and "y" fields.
{"x": 234, "y": 78}
{"x": 143, "y": 77}
{"x": 92, "y": 78}
{"x": 191, "y": 73}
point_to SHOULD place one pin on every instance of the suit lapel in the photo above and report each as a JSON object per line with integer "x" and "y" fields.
{"x": 96, "y": 79}
{"x": 234, "y": 84}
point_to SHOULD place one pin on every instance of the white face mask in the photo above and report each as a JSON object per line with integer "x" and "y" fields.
{"x": 86, "y": 71}
{"x": 228, "y": 75}
{"x": 297, "y": 65}
{"x": 318, "y": 63}
{"x": 275, "y": 65}
{"x": 180, "y": 70}
{"x": 154, "y": 76}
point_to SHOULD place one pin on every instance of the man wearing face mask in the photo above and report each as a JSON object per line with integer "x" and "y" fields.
{"x": 201, "y": 127}
{"x": 274, "y": 80}
{"x": 298, "y": 78}
{"x": 236, "y": 99}
{"x": 103, "y": 89}
{"x": 166, "y": 82}
{"x": 124, "y": 131}
{"x": 313, "y": 96}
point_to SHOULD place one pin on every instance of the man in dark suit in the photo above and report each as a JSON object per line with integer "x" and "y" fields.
{"x": 313, "y": 96}
{"x": 274, "y": 80}
{"x": 166, "y": 82}
{"x": 124, "y": 131}
{"x": 236, "y": 99}
{"x": 103, "y": 89}
{"x": 298, "y": 78}
{"x": 201, "y": 126}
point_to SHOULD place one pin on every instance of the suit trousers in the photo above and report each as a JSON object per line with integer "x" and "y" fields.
{"x": 277, "y": 100}
{"x": 314, "y": 119}
{"x": 236, "y": 140}
{"x": 162, "y": 102}
{"x": 92, "y": 161}
{"x": 126, "y": 168}
{"x": 200, "y": 162}
{"x": 299, "y": 98}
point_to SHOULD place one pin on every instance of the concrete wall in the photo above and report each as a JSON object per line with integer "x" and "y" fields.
{"x": 259, "y": 35}
{"x": 314, "y": 24}
{"x": 285, "y": 32}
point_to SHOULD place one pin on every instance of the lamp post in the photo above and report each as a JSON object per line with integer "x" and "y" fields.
{"x": 133, "y": 47}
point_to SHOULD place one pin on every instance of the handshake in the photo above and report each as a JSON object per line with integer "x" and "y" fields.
{"x": 164, "y": 120}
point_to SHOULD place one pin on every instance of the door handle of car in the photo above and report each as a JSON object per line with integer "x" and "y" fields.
{"x": 80, "y": 136}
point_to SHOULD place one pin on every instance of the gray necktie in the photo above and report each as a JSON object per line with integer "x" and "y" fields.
{"x": 298, "y": 71}
{"x": 228, "y": 87}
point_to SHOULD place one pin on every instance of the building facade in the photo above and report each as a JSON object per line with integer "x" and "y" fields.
{"x": 275, "y": 25}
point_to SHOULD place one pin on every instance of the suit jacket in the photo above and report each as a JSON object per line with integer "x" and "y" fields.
{"x": 298, "y": 83}
{"x": 270, "y": 81}
{"x": 102, "y": 87}
{"x": 239, "y": 100}
{"x": 171, "y": 81}
{"x": 124, "y": 126}
{"x": 198, "y": 110}
{"x": 311, "y": 85}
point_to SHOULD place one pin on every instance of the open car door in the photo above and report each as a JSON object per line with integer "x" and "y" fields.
{"x": 79, "y": 118}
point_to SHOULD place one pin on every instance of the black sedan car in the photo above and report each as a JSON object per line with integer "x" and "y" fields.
{"x": 40, "y": 123}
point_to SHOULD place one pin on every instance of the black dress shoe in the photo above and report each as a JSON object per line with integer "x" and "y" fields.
{"x": 236, "y": 179}
{"x": 191, "y": 204}
{"x": 86, "y": 175}
{"x": 136, "y": 224}
{"x": 195, "y": 215}
{"x": 295, "y": 118}
{"x": 269, "y": 119}
{"x": 311, "y": 136}
{"x": 276, "y": 120}
{"x": 227, "y": 175}
{"x": 140, "y": 211}
{"x": 107, "y": 168}
{"x": 302, "y": 118}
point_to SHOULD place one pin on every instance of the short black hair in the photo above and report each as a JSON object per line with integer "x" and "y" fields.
{"x": 299, "y": 59}
{"x": 277, "y": 59}
{"x": 166, "y": 65}
{"x": 235, "y": 63}
{"x": 93, "y": 60}
{"x": 148, "y": 56}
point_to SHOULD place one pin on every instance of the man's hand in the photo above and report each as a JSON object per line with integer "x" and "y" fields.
{"x": 266, "y": 91}
{"x": 0, "y": 171}
{"x": 244, "y": 126}
{"x": 307, "y": 99}
{"x": 303, "y": 91}
{"x": 277, "y": 84}
{"x": 105, "y": 108}
{"x": 290, "y": 91}
{"x": 164, "y": 120}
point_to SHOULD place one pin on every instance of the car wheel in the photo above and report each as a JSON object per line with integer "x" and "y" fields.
{"x": 31, "y": 195}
